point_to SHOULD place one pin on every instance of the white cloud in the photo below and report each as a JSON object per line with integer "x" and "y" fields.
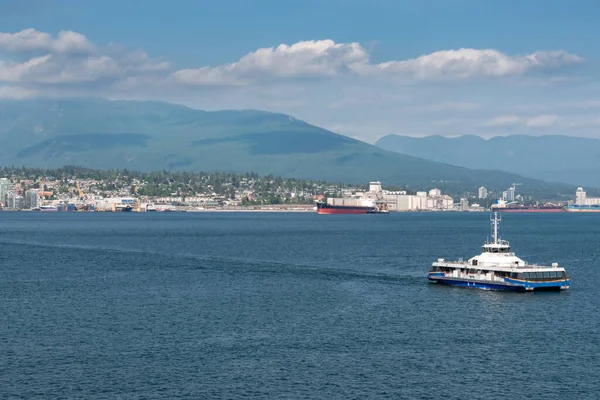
{"x": 32, "y": 40}
{"x": 469, "y": 63}
{"x": 52, "y": 69}
{"x": 69, "y": 58}
{"x": 15, "y": 93}
{"x": 320, "y": 58}
{"x": 542, "y": 121}
{"x": 507, "y": 121}
{"x": 325, "y": 58}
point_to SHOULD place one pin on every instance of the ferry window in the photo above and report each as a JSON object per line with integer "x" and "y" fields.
{"x": 539, "y": 275}
{"x": 474, "y": 262}
{"x": 526, "y": 275}
{"x": 552, "y": 274}
{"x": 546, "y": 274}
{"x": 520, "y": 276}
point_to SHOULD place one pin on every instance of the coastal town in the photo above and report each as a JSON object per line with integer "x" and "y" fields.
{"x": 78, "y": 189}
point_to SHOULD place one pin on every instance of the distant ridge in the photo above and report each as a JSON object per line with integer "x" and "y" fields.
{"x": 150, "y": 136}
{"x": 567, "y": 159}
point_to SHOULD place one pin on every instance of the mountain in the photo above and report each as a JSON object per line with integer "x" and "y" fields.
{"x": 567, "y": 159}
{"x": 147, "y": 136}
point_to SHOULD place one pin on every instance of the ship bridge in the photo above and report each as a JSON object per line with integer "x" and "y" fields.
{"x": 496, "y": 253}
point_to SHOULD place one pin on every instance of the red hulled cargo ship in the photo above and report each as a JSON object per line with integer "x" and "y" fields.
{"x": 351, "y": 205}
{"x": 324, "y": 208}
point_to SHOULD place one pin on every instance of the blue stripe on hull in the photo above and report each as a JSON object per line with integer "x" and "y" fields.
{"x": 480, "y": 285}
{"x": 512, "y": 286}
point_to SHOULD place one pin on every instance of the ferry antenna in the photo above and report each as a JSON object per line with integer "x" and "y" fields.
{"x": 495, "y": 221}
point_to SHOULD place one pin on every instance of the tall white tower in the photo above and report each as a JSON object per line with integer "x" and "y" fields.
{"x": 482, "y": 193}
{"x": 580, "y": 196}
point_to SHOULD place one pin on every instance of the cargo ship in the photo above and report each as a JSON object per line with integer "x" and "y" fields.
{"x": 583, "y": 208}
{"x": 502, "y": 206}
{"x": 349, "y": 206}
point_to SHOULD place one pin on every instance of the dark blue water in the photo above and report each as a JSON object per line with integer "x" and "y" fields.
{"x": 294, "y": 306}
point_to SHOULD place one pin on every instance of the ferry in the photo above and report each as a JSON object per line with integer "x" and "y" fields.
{"x": 497, "y": 268}
{"x": 583, "y": 208}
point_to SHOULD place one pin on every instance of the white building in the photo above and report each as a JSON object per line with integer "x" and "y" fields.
{"x": 580, "y": 196}
{"x": 435, "y": 193}
{"x": 582, "y": 199}
{"x": 5, "y": 186}
{"x": 482, "y": 193}
{"x": 510, "y": 194}
{"x": 375, "y": 187}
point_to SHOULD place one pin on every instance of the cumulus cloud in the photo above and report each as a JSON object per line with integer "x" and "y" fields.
{"x": 317, "y": 58}
{"x": 469, "y": 63}
{"x": 69, "y": 58}
{"x": 325, "y": 58}
{"x": 32, "y": 40}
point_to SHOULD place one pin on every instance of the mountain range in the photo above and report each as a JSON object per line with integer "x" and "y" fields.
{"x": 146, "y": 136}
{"x": 567, "y": 159}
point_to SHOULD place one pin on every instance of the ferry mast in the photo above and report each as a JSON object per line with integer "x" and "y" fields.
{"x": 495, "y": 222}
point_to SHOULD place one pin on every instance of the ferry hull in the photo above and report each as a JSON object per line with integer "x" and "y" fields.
{"x": 509, "y": 286}
{"x": 583, "y": 209}
{"x": 529, "y": 210}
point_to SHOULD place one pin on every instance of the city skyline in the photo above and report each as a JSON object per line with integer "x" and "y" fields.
{"x": 361, "y": 69}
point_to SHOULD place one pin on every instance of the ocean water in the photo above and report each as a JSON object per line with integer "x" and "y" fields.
{"x": 290, "y": 306}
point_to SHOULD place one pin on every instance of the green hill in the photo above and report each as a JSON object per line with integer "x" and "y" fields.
{"x": 147, "y": 136}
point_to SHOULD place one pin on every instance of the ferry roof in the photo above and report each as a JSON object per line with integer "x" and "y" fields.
{"x": 490, "y": 267}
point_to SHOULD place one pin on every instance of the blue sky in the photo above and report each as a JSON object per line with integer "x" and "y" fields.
{"x": 361, "y": 68}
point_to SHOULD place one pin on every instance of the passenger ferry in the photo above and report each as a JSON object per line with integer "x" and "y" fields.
{"x": 496, "y": 268}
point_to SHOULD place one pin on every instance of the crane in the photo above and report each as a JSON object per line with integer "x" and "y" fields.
{"x": 41, "y": 192}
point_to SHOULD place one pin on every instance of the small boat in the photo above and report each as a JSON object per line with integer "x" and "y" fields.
{"x": 497, "y": 268}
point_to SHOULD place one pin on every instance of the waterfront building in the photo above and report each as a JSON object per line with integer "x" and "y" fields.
{"x": 482, "y": 193}
{"x": 510, "y": 194}
{"x": 15, "y": 202}
{"x": 5, "y": 187}
{"x": 464, "y": 204}
{"x": 435, "y": 193}
{"x": 32, "y": 198}
{"x": 581, "y": 198}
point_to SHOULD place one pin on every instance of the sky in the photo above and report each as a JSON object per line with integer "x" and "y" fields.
{"x": 360, "y": 68}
